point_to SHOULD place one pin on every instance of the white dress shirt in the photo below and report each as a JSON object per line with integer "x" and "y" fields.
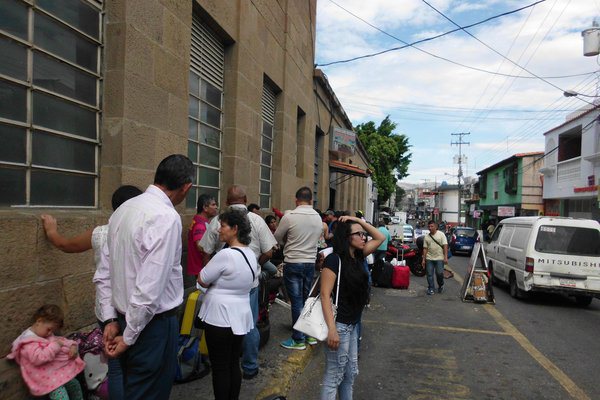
{"x": 226, "y": 301}
{"x": 103, "y": 302}
{"x": 144, "y": 251}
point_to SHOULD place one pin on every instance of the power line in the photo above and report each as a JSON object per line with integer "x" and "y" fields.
{"x": 496, "y": 51}
{"x": 399, "y": 104}
{"x": 435, "y": 55}
{"x": 430, "y": 38}
{"x": 489, "y": 83}
{"x": 506, "y": 85}
{"x": 527, "y": 130}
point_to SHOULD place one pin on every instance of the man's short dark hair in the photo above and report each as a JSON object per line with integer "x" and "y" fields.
{"x": 304, "y": 194}
{"x": 270, "y": 218}
{"x": 431, "y": 222}
{"x": 174, "y": 171}
{"x": 253, "y": 206}
{"x": 124, "y": 193}
{"x": 204, "y": 200}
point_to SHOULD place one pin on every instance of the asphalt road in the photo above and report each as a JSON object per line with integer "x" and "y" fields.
{"x": 437, "y": 347}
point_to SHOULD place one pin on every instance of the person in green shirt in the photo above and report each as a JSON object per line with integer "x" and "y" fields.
{"x": 380, "y": 252}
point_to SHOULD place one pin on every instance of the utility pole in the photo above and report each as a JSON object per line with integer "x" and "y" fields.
{"x": 459, "y": 143}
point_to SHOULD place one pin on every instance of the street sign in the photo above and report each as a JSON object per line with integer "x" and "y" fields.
{"x": 477, "y": 285}
{"x": 504, "y": 211}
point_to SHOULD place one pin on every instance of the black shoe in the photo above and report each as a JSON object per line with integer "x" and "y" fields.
{"x": 249, "y": 375}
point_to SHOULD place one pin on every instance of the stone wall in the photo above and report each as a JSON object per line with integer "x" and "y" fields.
{"x": 146, "y": 59}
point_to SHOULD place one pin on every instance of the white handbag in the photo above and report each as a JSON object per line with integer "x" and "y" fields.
{"x": 311, "y": 321}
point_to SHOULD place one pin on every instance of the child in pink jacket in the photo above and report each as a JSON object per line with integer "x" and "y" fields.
{"x": 49, "y": 364}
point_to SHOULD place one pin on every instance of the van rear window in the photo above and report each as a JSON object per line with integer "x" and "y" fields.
{"x": 568, "y": 240}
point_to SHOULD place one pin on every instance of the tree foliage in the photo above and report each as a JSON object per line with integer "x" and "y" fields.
{"x": 388, "y": 152}
{"x": 400, "y": 193}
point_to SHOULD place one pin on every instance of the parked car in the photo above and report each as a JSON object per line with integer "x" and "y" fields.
{"x": 409, "y": 234}
{"x": 462, "y": 240}
{"x": 421, "y": 232}
{"x": 547, "y": 254}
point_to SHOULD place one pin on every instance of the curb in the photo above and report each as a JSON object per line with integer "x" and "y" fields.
{"x": 288, "y": 371}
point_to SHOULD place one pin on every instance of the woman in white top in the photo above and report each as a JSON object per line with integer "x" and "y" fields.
{"x": 225, "y": 311}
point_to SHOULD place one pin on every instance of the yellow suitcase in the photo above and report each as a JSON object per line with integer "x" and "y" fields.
{"x": 192, "y": 308}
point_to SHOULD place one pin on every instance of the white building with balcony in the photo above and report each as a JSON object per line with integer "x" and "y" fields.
{"x": 572, "y": 166}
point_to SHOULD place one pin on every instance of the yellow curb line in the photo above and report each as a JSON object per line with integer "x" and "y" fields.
{"x": 289, "y": 370}
{"x": 441, "y": 328}
{"x": 563, "y": 379}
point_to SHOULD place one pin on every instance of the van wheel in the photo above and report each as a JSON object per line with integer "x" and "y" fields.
{"x": 583, "y": 301}
{"x": 514, "y": 288}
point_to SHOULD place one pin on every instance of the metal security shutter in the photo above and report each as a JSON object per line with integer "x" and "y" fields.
{"x": 207, "y": 54}
{"x": 268, "y": 104}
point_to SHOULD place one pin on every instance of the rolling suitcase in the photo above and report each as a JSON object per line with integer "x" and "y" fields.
{"x": 383, "y": 276}
{"x": 192, "y": 308}
{"x": 401, "y": 277}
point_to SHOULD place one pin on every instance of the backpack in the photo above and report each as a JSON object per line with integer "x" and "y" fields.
{"x": 91, "y": 352}
{"x": 191, "y": 365}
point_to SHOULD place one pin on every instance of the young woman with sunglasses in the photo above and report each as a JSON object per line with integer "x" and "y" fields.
{"x": 350, "y": 247}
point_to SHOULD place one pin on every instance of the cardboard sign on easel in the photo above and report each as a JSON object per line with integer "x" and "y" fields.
{"x": 477, "y": 285}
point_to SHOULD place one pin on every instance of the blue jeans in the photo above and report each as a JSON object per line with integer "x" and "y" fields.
{"x": 438, "y": 267}
{"x": 252, "y": 338}
{"x": 298, "y": 278}
{"x": 149, "y": 365}
{"x": 342, "y": 365}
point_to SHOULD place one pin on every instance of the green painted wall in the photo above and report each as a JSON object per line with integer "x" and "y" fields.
{"x": 503, "y": 197}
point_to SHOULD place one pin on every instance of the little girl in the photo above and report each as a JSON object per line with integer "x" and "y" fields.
{"x": 49, "y": 364}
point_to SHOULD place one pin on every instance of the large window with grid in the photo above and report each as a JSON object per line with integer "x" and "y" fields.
{"x": 266, "y": 152}
{"x": 205, "y": 110}
{"x": 49, "y": 102}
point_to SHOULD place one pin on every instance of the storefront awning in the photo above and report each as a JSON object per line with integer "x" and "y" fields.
{"x": 348, "y": 169}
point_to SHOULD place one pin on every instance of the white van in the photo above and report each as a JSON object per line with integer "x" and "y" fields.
{"x": 547, "y": 254}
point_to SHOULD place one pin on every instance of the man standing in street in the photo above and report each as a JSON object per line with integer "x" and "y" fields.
{"x": 331, "y": 221}
{"x": 299, "y": 230}
{"x": 146, "y": 281}
{"x": 435, "y": 256}
{"x": 381, "y": 250}
{"x": 261, "y": 243}
{"x": 206, "y": 209}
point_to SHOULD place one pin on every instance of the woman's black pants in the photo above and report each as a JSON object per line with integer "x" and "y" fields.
{"x": 224, "y": 351}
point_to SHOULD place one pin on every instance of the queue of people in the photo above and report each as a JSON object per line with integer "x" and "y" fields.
{"x": 139, "y": 288}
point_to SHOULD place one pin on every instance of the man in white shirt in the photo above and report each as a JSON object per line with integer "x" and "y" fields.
{"x": 261, "y": 243}
{"x": 299, "y": 230}
{"x": 146, "y": 281}
{"x": 435, "y": 255}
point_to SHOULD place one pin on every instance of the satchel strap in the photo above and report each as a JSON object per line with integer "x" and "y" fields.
{"x": 247, "y": 262}
{"x": 438, "y": 243}
{"x": 337, "y": 290}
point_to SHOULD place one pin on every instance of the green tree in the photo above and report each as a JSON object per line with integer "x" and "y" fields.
{"x": 400, "y": 193}
{"x": 388, "y": 152}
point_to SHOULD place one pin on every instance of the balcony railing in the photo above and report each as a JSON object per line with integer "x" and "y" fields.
{"x": 568, "y": 170}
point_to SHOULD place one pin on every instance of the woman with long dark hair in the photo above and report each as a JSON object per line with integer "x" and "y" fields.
{"x": 350, "y": 247}
{"x": 225, "y": 311}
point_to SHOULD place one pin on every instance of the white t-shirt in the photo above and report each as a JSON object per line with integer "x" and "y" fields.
{"x": 227, "y": 301}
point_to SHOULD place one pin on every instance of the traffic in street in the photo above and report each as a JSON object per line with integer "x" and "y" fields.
{"x": 416, "y": 346}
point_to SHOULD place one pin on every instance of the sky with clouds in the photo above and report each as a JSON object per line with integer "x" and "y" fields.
{"x": 429, "y": 98}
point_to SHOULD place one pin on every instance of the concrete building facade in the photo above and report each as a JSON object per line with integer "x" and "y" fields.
{"x": 94, "y": 94}
{"x": 572, "y": 169}
{"x": 512, "y": 187}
